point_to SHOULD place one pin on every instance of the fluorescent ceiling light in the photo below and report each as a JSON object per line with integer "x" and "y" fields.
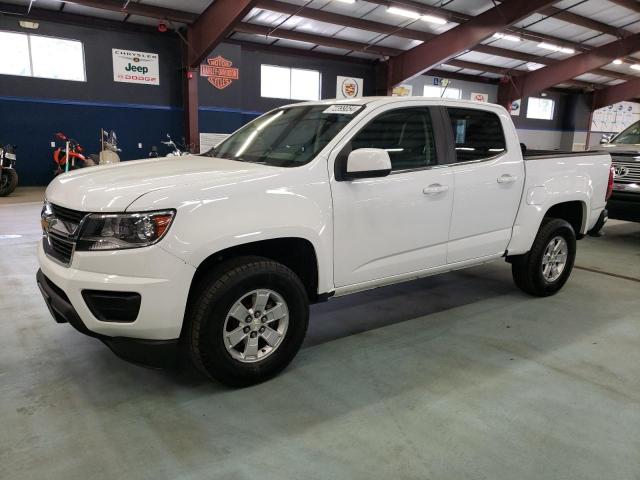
{"x": 617, "y": 61}
{"x": 432, "y": 19}
{"x": 636, "y": 66}
{"x": 506, "y": 36}
{"x": 415, "y": 15}
{"x": 556, "y": 48}
{"x": 346, "y": 1}
{"x": 533, "y": 66}
{"x": 403, "y": 12}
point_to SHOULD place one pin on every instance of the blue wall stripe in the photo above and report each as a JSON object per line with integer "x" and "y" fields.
{"x": 56, "y": 101}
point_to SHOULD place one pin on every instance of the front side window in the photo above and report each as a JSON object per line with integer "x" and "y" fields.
{"x": 287, "y": 137}
{"x": 477, "y": 134}
{"x": 406, "y": 134}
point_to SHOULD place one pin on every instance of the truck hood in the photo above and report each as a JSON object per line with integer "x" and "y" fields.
{"x": 112, "y": 188}
{"x": 621, "y": 148}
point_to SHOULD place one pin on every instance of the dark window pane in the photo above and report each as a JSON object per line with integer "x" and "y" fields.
{"x": 406, "y": 134}
{"x": 477, "y": 134}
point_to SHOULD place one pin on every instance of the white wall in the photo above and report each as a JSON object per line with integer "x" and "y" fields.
{"x": 467, "y": 88}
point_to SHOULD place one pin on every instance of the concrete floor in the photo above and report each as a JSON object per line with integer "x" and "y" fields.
{"x": 451, "y": 377}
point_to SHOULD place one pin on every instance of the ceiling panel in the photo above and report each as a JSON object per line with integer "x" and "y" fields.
{"x": 94, "y": 12}
{"x": 248, "y": 37}
{"x": 193, "y": 6}
{"x": 331, "y": 50}
{"x": 398, "y": 42}
{"x": 367, "y": 56}
{"x": 356, "y": 35}
{"x": 294, "y": 44}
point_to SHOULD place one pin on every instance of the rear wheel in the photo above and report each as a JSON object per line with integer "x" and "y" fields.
{"x": 547, "y": 266}
{"x": 8, "y": 181}
{"x": 246, "y": 321}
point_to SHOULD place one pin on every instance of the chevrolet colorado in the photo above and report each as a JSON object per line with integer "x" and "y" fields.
{"x": 219, "y": 255}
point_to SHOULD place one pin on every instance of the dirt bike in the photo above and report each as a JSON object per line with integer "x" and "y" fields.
{"x": 8, "y": 174}
{"x": 70, "y": 156}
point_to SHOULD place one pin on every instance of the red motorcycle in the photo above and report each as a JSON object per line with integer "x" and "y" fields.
{"x": 69, "y": 156}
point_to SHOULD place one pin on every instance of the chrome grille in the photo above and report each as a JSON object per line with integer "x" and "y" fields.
{"x": 61, "y": 227}
{"x": 58, "y": 248}
{"x": 627, "y": 169}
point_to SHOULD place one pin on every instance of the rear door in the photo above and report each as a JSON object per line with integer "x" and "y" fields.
{"x": 489, "y": 179}
{"x": 398, "y": 224}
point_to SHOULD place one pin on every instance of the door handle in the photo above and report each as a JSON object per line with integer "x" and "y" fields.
{"x": 435, "y": 188}
{"x": 506, "y": 178}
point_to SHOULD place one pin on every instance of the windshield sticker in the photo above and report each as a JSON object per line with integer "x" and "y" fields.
{"x": 343, "y": 109}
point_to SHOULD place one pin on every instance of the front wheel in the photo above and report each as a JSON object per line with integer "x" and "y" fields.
{"x": 8, "y": 181}
{"x": 546, "y": 268}
{"x": 246, "y": 321}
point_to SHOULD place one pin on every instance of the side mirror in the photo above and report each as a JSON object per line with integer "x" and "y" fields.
{"x": 606, "y": 138}
{"x": 367, "y": 163}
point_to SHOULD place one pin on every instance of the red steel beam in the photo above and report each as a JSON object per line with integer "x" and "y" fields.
{"x": 463, "y": 37}
{"x": 524, "y": 85}
{"x": 135, "y": 8}
{"x": 384, "y": 28}
{"x": 618, "y": 93}
{"x": 213, "y": 25}
{"x": 316, "y": 39}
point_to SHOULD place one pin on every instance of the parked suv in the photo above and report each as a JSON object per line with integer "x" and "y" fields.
{"x": 219, "y": 255}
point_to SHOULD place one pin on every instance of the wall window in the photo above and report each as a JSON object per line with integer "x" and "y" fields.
{"x": 478, "y": 134}
{"x": 38, "y": 56}
{"x": 289, "y": 83}
{"x": 541, "y": 108}
{"x": 437, "y": 91}
{"x": 406, "y": 134}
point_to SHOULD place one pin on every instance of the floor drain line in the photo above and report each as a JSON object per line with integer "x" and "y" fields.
{"x": 594, "y": 270}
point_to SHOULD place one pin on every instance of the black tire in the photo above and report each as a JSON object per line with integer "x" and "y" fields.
{"x": 527, "y": 269}
{"x": 212, "y": 300}
{"x": 8, "y": 181}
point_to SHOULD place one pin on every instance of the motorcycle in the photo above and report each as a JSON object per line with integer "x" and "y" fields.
{"x": 175, "y": 150}
{"x": 8, "y": 174}
{"x": 108, "y": 148}
{"x": 70, "y": 157}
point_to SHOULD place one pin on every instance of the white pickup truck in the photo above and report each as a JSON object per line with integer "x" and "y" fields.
{"x": 219, "y": 255}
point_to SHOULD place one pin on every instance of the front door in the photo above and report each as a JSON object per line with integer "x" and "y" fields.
{"x": 398, "y": 224}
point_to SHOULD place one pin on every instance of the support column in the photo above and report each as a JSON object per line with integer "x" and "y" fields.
{"x": 190, "y": 102}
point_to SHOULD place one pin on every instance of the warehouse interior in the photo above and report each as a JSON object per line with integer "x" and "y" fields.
{"x": 458, "y": 375}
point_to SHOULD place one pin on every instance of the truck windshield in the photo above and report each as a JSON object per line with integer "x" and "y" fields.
{"x": 629, "y": 136}
{"x": 287, "y": 137}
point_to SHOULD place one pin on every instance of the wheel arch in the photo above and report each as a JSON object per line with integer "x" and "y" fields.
{"x": 297, "y": 253}
{"x": 573, "y": 211}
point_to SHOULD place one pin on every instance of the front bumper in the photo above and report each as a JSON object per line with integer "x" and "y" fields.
{"x": 163, "y": 289}
{"x": 153, "y": 353}
{"x": 624, "y": 206}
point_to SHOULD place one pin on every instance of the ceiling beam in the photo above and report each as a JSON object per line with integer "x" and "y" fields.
{"x": 618, "y": 93}
{"x": 586, "y": 22}
{"x": 135, "y": 8}
{"x": 316, "y": 39}
{"x": 632, "y": 5}
{"x": 386, "y": 29}
{"x": 463, "y": 37}
{"x": 531, "y": 83}
{"x": 458, "y": 17}
{"x": 213, "y": 25}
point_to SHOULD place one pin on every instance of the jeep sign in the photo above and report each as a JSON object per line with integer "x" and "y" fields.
{"x": 135, "y": 67}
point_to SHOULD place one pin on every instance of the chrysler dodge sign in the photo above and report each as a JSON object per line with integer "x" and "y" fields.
{"x": 135, "y": 67}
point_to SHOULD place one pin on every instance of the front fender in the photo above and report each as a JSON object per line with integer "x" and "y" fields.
{"x": 293, "y": 204}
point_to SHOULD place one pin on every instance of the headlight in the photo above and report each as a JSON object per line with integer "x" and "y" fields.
{"x": 115, "y": 231}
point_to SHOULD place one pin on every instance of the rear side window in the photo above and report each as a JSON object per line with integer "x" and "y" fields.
{"x": 406, "y": 134}
{"x": 477, "y": 134}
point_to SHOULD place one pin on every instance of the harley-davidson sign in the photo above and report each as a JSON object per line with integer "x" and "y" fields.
{"x": 220, "y": 72}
